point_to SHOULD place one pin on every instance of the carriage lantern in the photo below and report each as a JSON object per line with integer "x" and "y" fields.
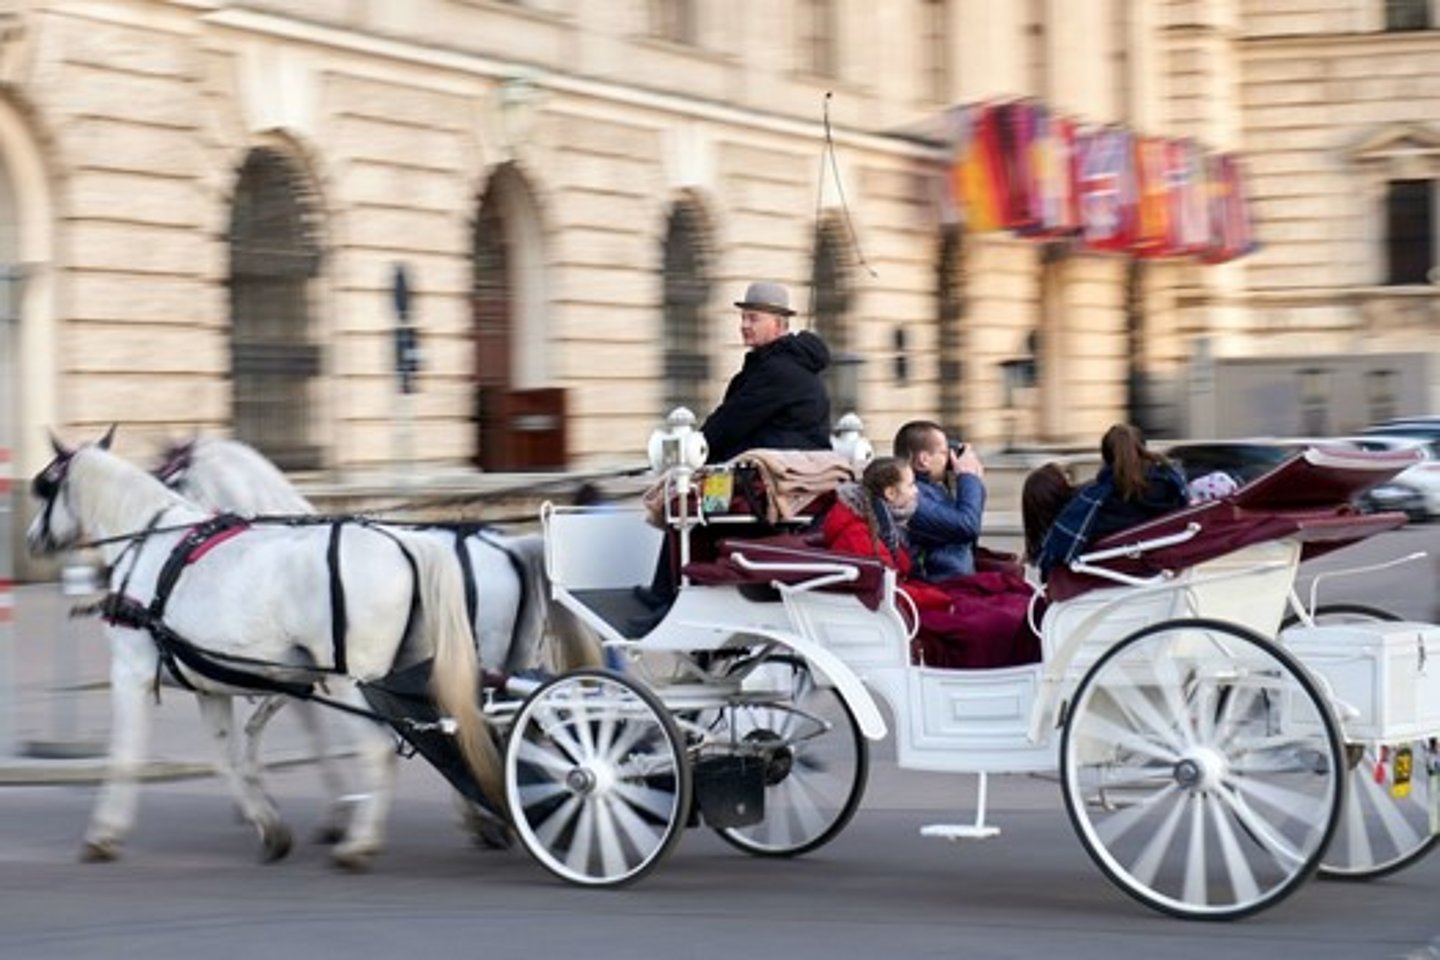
{"x": 678, "y": 443}
{"x": 848, "y": 440}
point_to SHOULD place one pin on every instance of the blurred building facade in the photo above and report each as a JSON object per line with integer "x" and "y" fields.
{"x": 204, "y": 204}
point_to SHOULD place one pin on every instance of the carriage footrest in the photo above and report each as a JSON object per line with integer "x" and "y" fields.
{"x": 730, "y": 790}
{"x": 960, "y": 831}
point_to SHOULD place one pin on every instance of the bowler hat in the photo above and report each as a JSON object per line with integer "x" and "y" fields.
{"x": 768, "y": 297}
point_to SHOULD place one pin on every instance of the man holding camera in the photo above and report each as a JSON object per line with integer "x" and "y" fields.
{"x": 946, "y": 522}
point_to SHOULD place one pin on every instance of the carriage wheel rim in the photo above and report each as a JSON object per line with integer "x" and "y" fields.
{"x": 1217, "y": 762}
{"x": 597, "y": 779}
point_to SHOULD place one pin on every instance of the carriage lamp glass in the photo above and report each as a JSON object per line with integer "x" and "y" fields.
{"x": 678, "y": 443}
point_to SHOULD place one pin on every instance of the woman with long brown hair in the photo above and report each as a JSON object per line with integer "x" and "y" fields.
{"x": 1134, "y": 484}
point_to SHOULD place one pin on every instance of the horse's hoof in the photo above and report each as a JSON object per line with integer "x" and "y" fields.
{"x": 330, "y": 834}
{"x": 492, "y": 835}
{"x": 276, "y": 842}
{"x": 352, "y": 861}
{"x": 100, "y": 851}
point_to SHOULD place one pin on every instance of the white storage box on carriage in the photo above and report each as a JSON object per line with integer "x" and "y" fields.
{"x": 1388, "y": 672}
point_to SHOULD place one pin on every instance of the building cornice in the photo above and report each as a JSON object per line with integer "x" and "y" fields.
{"x": 478, "y": 65}
{"x": 1360, "y": 44}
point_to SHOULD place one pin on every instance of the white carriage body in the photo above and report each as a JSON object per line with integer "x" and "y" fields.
{"x": 1161, "y": 694}
{"x": 990, "y": 720}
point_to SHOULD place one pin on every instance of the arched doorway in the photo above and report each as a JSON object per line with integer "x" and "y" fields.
{"x": 520, "y": 422}
{"x": 829, "y": 303}
{"x": 274, "y": 353}
{"x": 686, "y": 295}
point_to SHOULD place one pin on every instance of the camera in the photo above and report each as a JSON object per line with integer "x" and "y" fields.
{"x": 957, "y": 448}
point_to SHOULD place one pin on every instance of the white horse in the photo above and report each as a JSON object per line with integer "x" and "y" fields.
{"x": 508, "y": 590}
{"x": 258, "y": 603}
{"x": 511, "y": 609}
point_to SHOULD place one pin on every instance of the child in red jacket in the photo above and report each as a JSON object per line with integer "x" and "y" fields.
{"x": 868, "y": 520}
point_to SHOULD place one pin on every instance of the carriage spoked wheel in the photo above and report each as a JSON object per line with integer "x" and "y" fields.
{"x": 597, "y": 778}
{"x": 816, "y": 760}
{"x": 1202, "y": 769}
{"x": 1385, "y": 820}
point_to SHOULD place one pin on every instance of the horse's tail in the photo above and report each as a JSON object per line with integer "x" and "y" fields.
{"x": 575, "y": 644}
{"x": 454, "y": 681}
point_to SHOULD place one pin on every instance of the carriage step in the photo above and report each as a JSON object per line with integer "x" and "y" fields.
{"x": 960, "y": 831}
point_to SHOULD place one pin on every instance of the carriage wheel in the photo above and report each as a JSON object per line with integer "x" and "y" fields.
{"x": 816, "y": 760}
{"x": 596, "y": 778}
{"x": 1383, "y": 828}
{"x": 1202, "y": 769}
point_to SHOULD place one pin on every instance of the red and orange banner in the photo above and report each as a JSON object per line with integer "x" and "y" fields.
{"x": 1019, "y": 166}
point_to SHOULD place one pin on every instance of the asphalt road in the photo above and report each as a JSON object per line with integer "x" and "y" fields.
{"x": 190, "y": 884}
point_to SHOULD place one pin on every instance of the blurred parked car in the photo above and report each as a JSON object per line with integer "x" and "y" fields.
{"x": 1416, "y": 490}
{"x": 1417, "y": 426}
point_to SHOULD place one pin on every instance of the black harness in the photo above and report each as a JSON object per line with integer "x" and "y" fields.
{"x": 123, "y": 610}
{"x": 463, "y": 532}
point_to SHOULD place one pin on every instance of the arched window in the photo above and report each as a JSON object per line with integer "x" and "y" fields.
{"x": 274, "y": 359}
{"x": 686, "y": 294}
{"x": 830, "y": 298}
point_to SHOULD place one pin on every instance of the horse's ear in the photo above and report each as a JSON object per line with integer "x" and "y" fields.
{"x": 109, "y": 437}
{"x": 55, "y": 444}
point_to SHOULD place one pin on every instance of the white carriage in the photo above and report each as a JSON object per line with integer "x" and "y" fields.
{"x": 1212, "y": 753}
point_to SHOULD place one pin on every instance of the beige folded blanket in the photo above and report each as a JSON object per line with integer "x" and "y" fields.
{"x": 793, "y": 479}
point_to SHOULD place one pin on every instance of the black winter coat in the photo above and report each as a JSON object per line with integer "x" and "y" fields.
{"x": 777, "y": 400}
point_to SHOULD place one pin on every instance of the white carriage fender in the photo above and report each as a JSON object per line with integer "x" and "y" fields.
{"x": 852, "y": 690}
{"x": 849, "y": 685}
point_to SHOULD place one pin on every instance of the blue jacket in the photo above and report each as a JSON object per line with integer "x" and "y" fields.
{"x": 943, "y": 529}
{"x": 1097, "y": 511}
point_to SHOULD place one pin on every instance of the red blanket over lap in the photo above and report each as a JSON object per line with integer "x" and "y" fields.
{"x": 985, "y": 624}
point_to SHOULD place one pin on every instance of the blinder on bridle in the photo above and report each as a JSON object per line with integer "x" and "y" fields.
{"x": 177, "y": 461}
{"x": 46, "y": 485}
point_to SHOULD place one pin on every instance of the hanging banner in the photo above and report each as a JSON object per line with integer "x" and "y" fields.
{"x": 1153, "y": 235}
{"x": 1231, "y": 235}
{"x": 978, "y": 169}
{"x": 1106, "y": 184}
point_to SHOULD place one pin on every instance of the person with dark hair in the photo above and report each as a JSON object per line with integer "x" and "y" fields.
{"x": 950, "y": 481}
{"x": 1046, "y": 491}
{"x": 1134, "y": 484}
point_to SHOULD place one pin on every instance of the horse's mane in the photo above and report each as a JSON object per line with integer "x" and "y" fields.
{"x": 115, "y": 494}
{"x": 233, "y": 476}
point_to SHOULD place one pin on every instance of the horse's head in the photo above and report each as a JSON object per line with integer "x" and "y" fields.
{"x": 57, "y": 526}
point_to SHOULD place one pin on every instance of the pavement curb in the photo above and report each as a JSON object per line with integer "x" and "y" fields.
{"x": 25, "y": 772}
